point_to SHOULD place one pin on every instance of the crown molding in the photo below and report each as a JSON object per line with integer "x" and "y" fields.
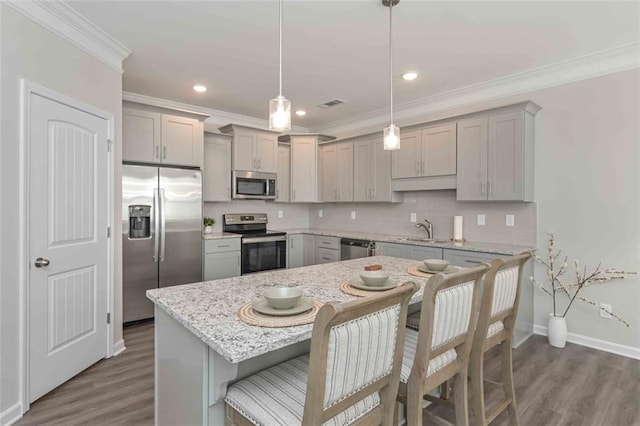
{"x": 216, "y": 116}
{"x": 63, "y": 20}
{"x": 621, "y": 58}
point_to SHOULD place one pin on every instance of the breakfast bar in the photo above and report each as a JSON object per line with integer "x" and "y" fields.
{"x": 201, "y": 345}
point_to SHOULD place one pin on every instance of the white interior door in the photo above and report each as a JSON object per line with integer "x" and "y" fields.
{"x": 68, "y": 247}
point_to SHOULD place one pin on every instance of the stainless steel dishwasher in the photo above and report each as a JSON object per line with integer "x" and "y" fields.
{"x": 355, "y": 249}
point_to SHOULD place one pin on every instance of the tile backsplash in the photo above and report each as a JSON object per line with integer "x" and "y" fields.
{"x": 439, "y": 207}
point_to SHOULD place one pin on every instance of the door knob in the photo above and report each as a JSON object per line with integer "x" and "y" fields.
{"x": 40, "y": 262}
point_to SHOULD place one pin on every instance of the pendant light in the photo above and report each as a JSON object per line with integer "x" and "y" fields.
{"x": 392, "y": 132}
{"x": 280, "y": 107}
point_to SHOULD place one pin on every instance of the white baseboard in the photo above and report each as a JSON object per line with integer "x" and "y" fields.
{"x": 118, "y": 347}
{"x": 603, "y": 345}
{"x": 516, "y": 343}
{"x": 11, "y": 414}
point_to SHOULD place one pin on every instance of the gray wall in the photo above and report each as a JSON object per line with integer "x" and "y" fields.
{"x": 438, "y": 207}
{"x": 29, "y": 51}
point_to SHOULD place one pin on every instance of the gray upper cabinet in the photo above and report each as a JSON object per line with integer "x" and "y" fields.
{"x": 216, "y": 176}
{"x": 495, "y": 155}
{"x": 283, "y": 179}
{"x": 253, "y": 149}
{"x": 336, "y": 172}
{"x": 372, "y": 171}
{"x": 426, "y": 152}
{"x": 150, "y": 136}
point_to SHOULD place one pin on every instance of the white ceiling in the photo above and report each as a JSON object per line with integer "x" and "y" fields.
{"x": 338, "y": 49}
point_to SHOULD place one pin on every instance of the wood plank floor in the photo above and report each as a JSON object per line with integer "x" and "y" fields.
{"x": 554, "y": 387}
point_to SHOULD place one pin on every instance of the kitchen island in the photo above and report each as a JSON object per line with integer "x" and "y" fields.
{"x": 201, "y": 346}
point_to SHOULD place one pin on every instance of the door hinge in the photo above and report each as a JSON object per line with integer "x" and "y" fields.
{"x": 108, "y": 232}
{"x": 109, "y": 143}
{"x": 108, "y": 317}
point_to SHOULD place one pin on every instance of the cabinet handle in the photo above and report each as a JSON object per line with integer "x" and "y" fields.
{"x": 417, "y": 167}
{"x": 477, "y": 262}
{"x": 326, "y": 258}
{"x": 368, "y": 193}
{"x": 490, "y": 189}
{"x": 223, "y": 245}
{"x": 373, "y": 193}
{"x": 482, "y": 187}
{"x": 338, "y": 194}
{"x": 422, "y": 168}
{"x": 157, "y": 151}
{"x": 293, "y": 195}
{"x": 277, "y": 193}
{"x": 164, "y": 152}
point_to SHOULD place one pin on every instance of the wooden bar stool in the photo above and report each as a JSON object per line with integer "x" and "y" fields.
{"x": 498, "y": 310}
{"x": 440, "y": 349}
{"x": 351, "y": 374}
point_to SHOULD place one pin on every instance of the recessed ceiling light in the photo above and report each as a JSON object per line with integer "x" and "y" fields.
{"x": 410, "y": 75}
{"x": 200, "y": 88}
{"x": 301, "y": 113}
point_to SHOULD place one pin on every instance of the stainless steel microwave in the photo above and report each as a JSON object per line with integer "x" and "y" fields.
{"x": 253, "y": 185}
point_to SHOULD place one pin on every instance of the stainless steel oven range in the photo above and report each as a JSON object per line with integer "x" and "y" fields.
{"x": 262, "y": 250}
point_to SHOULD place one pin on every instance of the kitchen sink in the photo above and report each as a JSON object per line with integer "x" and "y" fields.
{"x": 424, "y": 240}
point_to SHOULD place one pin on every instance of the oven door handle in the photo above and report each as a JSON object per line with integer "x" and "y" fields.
{"x": 263, "y": 239}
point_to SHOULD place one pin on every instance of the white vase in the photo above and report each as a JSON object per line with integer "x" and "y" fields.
{"x": 557, "y": 331}
{"x": 208, "y": 230}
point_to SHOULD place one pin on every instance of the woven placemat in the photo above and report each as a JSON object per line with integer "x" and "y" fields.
{"x": 417, "y": 273}
{"x": 251, "y": 317}
{"x": 345, "y": 287}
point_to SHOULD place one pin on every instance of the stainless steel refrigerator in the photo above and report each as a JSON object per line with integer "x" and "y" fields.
{"x": 161, "y": 233}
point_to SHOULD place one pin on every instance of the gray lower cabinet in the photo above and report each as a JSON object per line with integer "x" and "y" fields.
{"x": 327, "y": 249}
{"x": 222, "y": 259}
{"x": 408, "y": 251}
{"x": 468, "y": 259}
{"x": 301, "y": 250}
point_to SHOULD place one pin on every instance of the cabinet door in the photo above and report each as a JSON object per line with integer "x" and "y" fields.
{"x": 344, "y": 171}
{"x": 140, "y": 136}
{"x": 362, "y": 164}
{"x": 309, "y": 249}
{"x": 422, "y": 253}
{"x": 325, "y": 255}
{"x": 506, "y": 157}
{"x": 243, "y": 157}
{"x": 266, "y": 152}
{"x": 439, "y": 150}
{"x": 304, "y": 169}
{"x": 221, "y": 265}
{"x": 295, "y": 251}
{"x": 216, "y": 182}
{"x": 380, "y": 171}
{"x": 472, "y": 160}
{"x": 391, "y": 249}
{"x": 282, "y": 182}
{"x": 182, "y": 141}
{"x": 406, "y": 160}
{"x": 468, "y": 259}
{"x": 328, "y": 176}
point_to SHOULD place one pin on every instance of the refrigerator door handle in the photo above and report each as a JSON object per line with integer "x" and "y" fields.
{"x": 156, "y": 224}
{"x": 162, "y": 226}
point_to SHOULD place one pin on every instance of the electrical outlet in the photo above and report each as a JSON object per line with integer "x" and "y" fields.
{"x": 509, "y": 220}
{"x": 414, "y": 218}
{"x": 353, "y": 214}
{"x": 320, "y": 213}
{"x": 603, "y": 313}
{"x": 481, "y": 220}
{"x": 280, "y": 214}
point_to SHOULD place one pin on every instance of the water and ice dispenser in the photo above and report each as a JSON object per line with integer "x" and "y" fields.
{"x": 139, "y": 221}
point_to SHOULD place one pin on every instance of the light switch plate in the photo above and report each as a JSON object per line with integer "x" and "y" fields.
{"x": 353, "y": 214}
{"x": 320, "y": 213}
{"x": 509, "y": 220}
{"x": 280, "y": 214}
{"x": 414, "y": 218}
{"x": 481, "y": 220}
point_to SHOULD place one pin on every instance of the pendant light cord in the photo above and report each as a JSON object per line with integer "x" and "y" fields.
{"x": 280, "y": 41}
{"x": 391, "y": 56}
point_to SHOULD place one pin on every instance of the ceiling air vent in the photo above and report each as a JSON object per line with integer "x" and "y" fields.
{"x": 331, "y": 103}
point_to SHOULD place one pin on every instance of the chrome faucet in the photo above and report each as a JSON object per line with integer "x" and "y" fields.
{"x": 428, "y": 227}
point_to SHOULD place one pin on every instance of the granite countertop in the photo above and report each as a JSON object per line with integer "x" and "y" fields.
{"x": 509, "y": 249}
{"x": 219, "y": 235}
{"x": 208, "y": 309}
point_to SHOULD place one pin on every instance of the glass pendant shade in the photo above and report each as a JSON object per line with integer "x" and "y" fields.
{"x": 391, "y": 137}
{"x": 280, "y": 114}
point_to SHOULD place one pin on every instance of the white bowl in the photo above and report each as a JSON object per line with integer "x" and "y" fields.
{"x": 436, "y": 264}
{"x": 374, "y": 278}
{"x": 283, "y": 297}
